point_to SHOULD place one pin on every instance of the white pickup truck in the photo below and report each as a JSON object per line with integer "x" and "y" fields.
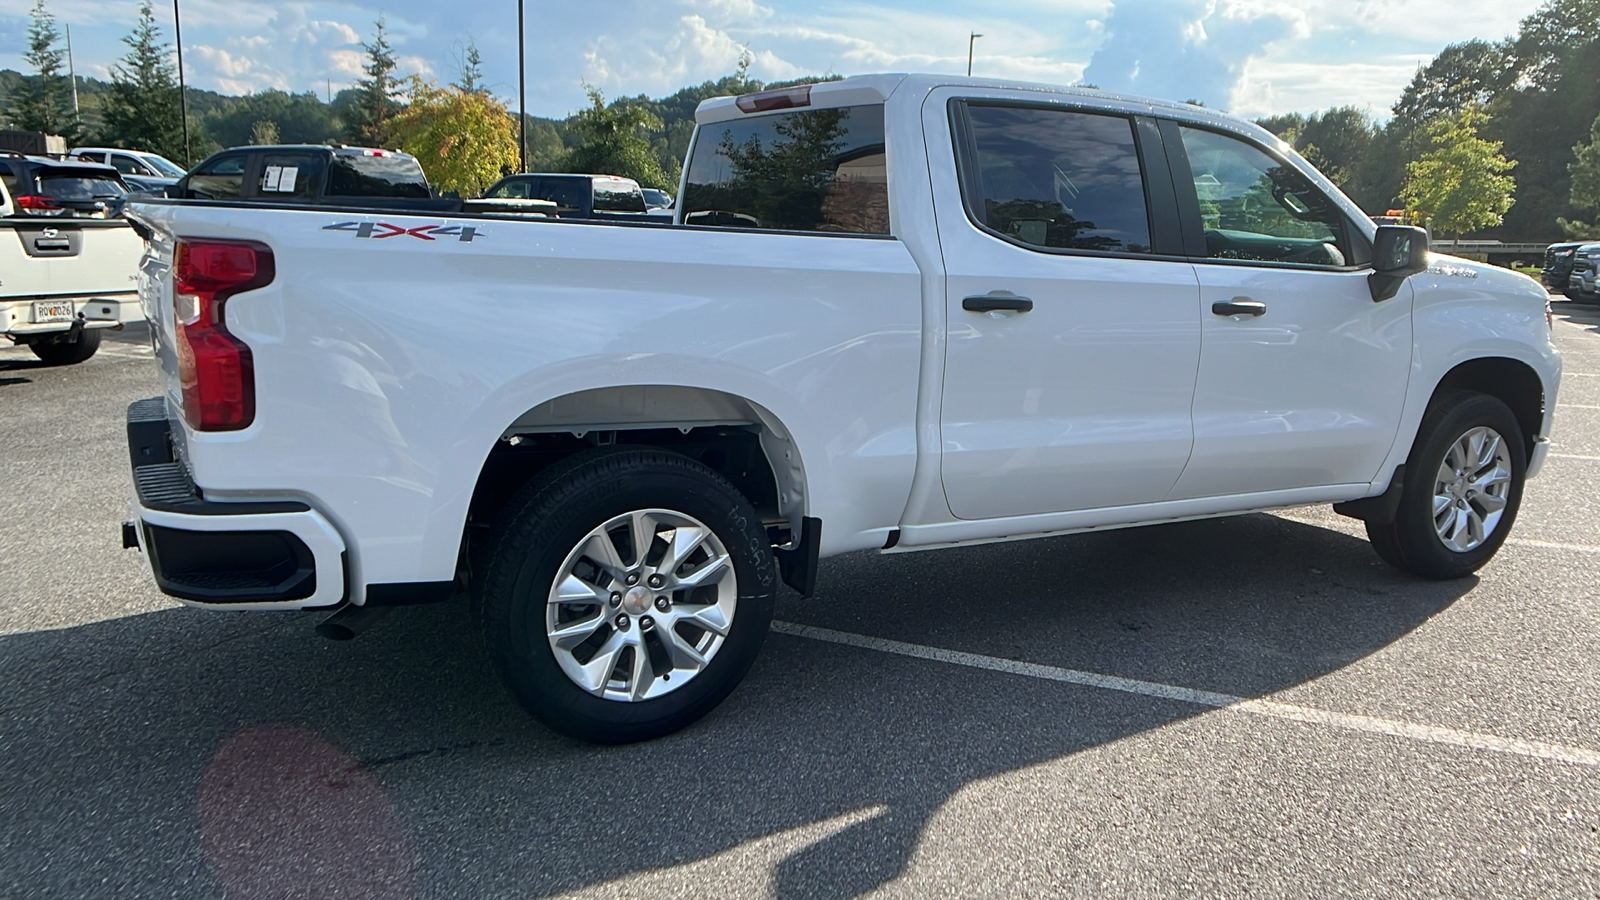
{"x": 63, "y": 280}
{"x": 915, "y": 312}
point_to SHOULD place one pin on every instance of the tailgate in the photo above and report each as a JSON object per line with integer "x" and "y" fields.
{"x": 62, "y": 257}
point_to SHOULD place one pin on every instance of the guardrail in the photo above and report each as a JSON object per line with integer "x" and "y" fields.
{"x": 1493, "y": 251}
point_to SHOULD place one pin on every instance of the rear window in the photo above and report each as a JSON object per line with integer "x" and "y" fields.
{"x": 809, "y": 170}
{"x": 612, "y": 196}
{"x": 63, "y": 185}
{"x": 377, "y": 176}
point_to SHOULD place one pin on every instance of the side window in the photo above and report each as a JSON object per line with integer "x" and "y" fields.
{"x": 289, "y": 176}
{"x": 8, "y": 172}
{"x": 127, "y": 165}
{"x": 511, "y": 190}
{"x": 220, "y": 179}
{"x": 810, "y": 170}
{"x": 568, "y": 194}
{"x": 1258, "y": 208}
{"x": 1059, "y": 178}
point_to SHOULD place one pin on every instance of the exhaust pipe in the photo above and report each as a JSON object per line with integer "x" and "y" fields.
{"x": 350, "y": 621}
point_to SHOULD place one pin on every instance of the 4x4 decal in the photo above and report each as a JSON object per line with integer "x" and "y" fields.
{"x": 462, "y": 233}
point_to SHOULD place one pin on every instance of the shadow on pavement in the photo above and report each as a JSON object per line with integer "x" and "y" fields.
{"x": 201, "y": 754}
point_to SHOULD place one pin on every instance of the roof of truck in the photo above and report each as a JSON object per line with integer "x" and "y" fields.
{"x": 866, "y": 89}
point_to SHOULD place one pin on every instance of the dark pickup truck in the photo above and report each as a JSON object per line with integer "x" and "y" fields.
{"x": 325, "y": 175}
{"x": 1558, "y": 260}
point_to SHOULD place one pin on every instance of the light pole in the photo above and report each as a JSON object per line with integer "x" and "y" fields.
{"x": 183, "y": 95}
{"x": 522, "y": 93}
{"x": 970, "y": 40}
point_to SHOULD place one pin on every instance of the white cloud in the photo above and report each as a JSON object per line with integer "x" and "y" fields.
{"x": 1252, "y": 55}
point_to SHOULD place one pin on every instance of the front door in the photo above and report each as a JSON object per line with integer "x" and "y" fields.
{"x": 1302, "y": 376}
{"x": 1072, "y": 343}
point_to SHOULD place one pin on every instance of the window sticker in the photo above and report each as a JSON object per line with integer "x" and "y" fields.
{"x": 279, "y": 179}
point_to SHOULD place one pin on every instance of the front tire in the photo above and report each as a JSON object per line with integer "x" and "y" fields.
{"x": 627, "y": 593}
{"x": 62, "y": 352}
{"x": 1462, "y": 489}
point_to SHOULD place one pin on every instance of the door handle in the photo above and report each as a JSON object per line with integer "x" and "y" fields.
{"x": 994, "y": 302}
{"x": 1239, "y": 306}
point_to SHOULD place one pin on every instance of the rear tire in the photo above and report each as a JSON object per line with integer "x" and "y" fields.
{"x": 627, "y": 592}
{"x": 1462, "y": 490}
{"x": 62, "y": 352}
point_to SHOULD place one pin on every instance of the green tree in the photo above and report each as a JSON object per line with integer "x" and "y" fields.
{"x": 614, "y": 140}
{"x": 300, "y": 119}
{"x": 1462, "y": 75}
{"x": 1547, "y": 37}
{"x": 264, "y": 133}
{"x": 471, "y": 74}
{"x": 465, "y": 140}
{"x": 546, "y": 149}
{"x": 46, "y": 104}
{"x": 1459, "y": 182}
{"x": 143, "y": 111}
{"x": 375, "y": 104}
{"x": 1585, "y": 190}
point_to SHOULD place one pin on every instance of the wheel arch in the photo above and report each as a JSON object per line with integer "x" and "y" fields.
{"x": 1512, "y": 381}
{"x": 741, "y": 439}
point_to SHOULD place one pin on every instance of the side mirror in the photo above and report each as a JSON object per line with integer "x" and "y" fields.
{"x": 1398, "y": 252}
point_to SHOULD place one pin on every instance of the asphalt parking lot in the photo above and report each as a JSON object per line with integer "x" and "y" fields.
{"x": 1244, "y": 707}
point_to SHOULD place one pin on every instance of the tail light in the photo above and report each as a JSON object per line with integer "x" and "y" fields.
{"x": 35, "y": 201}
{"x": 781, "y": 98}
{"x": 214, "y": 367}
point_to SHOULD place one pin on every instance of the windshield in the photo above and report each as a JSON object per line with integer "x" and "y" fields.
{"x": 163, "y": 165}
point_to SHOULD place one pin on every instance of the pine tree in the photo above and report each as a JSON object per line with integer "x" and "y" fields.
{"x": 375, "y": 104}
{"x": 472, "y": 70}
{"x": 44, "y": 102}
{"x": 144, "y": 111}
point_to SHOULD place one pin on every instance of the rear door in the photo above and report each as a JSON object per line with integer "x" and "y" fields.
{"x": 1302, "y": 376}
{"x": 1073, "y": 318}
{"x": 290, "y": 176}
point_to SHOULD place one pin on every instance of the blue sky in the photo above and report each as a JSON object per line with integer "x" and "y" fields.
{"x": 1253, "y": 57}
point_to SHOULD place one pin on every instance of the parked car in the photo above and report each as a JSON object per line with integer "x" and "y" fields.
{"x": 1033, "y": 311}
{"x": 655, "y": 198}
{"x": 130, "y": 162}
{"x": 310, "y": 174}
{"x": 41, "y": 186}
{"x": 149, "y": 174}
{"x": 305, "y": 173}
{"x": 1558, "y": 260}
{"x": 1583, "y": 281}
{"x": 577, "y": 196}
{"x": 64, "y": 280}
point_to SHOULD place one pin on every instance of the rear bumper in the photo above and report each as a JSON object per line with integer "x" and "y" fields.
{"x": 267, "y": 554}
{"x": 99, "y": 311}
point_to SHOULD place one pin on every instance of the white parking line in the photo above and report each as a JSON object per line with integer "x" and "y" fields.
{"x": 1574, "y": 456}
{"x": 1269, "y": 708}
{"x": 1355, "y": 530}
{"x": 1575, "y": 406}
{"x": 1552, "y": 545}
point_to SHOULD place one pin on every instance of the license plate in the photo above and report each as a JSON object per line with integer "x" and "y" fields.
{"x": 52, "y": 311}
